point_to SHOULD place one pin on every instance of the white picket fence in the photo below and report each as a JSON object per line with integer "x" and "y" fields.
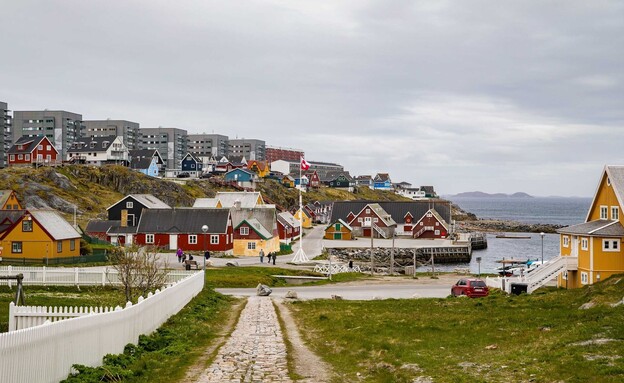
{"x": 76, "y": 276}
{"x": 46, "y": 353}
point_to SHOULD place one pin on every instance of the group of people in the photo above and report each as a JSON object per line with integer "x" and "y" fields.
{"x": 182, "y": 257}
{"x": 271, "y": 255}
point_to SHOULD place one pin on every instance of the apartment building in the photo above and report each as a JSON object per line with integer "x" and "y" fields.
{"x": 5, "y": 133}
{"x": 62, "y": 128}
{"x": 275, "y": 153}
{"x": 207, "y": 145}
{"x": 127, "y": 130}
{"x": 171, "y": 143}
{"x": 251, "y": 149}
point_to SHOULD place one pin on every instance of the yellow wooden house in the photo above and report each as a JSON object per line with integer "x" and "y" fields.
{"x": 597, "y": 244}
{"x": 37, "y": 234}
{"x": 9, "y": 201}
{"x": 307, "y": 220}
{"x": 261, "y": 168}
{"x": 338, "y": 230}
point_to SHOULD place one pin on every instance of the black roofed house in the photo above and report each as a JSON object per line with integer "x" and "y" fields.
{"x": 192, "y": 164}
{"x": 36, "y": 151}
{"x": 403, "y": 213}
{"x": 136, "y": 155}
{"x": 429, "y": 191}
{"x": 340, "y": 180}
{"x": 147, "y": 166}
{"x": 128, "y": 210}
{"x": 99, "y": 228}
{"x": 182, "y": 228}
{"x": 98, "y": 151}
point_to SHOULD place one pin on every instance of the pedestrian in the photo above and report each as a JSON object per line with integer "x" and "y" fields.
{"x": 351, "y": 264}
{"x": 274, "y": 256}
{"x": 183, "y": 257}
{"x": 179, "y": 254}
{"x": 261, "y": 256}
{"x": 207, "y": 255}
{"x": 190, "y": 257}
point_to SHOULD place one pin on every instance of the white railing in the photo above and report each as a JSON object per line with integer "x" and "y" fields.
{"x": 46, "y": 353}
{"x": 21, "y": 317}
{"x": 536, "y": 278}
{"x": 66, "y": 276}
{"x": 336, "y": 268}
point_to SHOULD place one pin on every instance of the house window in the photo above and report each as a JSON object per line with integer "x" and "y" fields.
{"x": 422, "y": 223}
{"x": 360, "y": 220}
{"x": 584, "y": 278}
{"x": 149, "y": 238}
{"x": 129, "y": 205}
{"x": 610, "y": 245}
{"x": 437, "y": 224}
{"x": 603, "y": 212}
{"x": 244, "y": 230}
{"x": 12, "y": 157}
{"x": 437, "y": 232}
{"x": 214, "y": 239}
{"x": 59, "y": 246}
{"x": 27, "y": 157}
{"x": 367, "y": 211}
{"x": 27, "y": 225}
{"x": 251, "y": 246}
{"x": 72, "y": 244}
{"x": 20, "y": 156}
{"x": 375, "y": 220}
{"x": 566, "y": 241}
{"x": 48, "y": 147}
{"x": 192, "y": 238}
{"x": 615, "y": 213}
{"x": 16, "y": 247}
{"x": 337, "y": 227}
{"x": 584, "y": 244}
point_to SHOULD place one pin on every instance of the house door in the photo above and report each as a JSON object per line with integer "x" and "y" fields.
{"x": 366, "y": 232}
{"x": 173, "y": 241}
{"x": 130, "y": 221}
{"x": 337, "y": 235}
{"x": 574, "y": 252}
{"x": 129, "y": 239}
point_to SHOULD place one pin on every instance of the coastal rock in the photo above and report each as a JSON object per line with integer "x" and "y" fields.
{"x": 263, "y": 290}
{"x": 291, "y": 294}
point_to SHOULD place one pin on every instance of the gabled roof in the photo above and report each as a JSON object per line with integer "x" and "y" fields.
{"x": 287, "y": 219}
{"x": 616, "y": 176}
{"x": 147, "y": 200}
{"x": 343, "y": 223}
{"x": 240, "y": 170}
{"x": 264, "y": 214}
{"x": 382, "y": 214}
{"x": 262, "y": 165}
{"x": 397, "y": 209}
{"x": 54, "y": 224}
{"x": 183, "y": 220}
{"x": 257, "y": 227}
{"x": 206, "y": 202}
{"x": 382, "y": 177}
{"x": 100, "y": 226}
{"x": 600, "y": 227}
{"x": 9, "y": 217}
{"x": 437, "y": 216}
{"x": 237, "y": 160}
{"x": 247, "y": 199}
{"x": 4, "y": 196}
{"x": 142, "y": 163}
{"x": 332, "y": 175}
{"x": 428, "y": 189}
{"x": 30, "y": 143}
{"x": 193, "y": 157}
{"x": 145, "y": 153}
{"x": 91, "y": 144}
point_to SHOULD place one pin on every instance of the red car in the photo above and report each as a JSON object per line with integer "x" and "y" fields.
{"x": 472, "y": 288}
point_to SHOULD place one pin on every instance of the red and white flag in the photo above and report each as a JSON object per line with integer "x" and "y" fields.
{"x": 304, "y": 164}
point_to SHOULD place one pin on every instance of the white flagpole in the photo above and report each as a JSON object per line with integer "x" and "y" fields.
{"x": 300, "y": 256}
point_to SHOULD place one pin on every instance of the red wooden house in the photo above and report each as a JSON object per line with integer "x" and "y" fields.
{"x": 33, "y": 150}
{"x": 372, "y": 217}
{"x": 314, "y": 181}
{"x": 182, "y": 228}
{"x": 287, "y": 226}
{"x": 430, "y": 226}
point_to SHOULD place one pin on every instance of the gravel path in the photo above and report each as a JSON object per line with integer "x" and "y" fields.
{"x": 255, "y": 351}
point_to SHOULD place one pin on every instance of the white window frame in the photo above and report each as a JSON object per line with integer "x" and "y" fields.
{"x": 12, "y": 157}
{"x": 149, "y": 238}
{"x": 584, "y": 277}
{"x": 437, "y": 232}
{"x": 611, "y": 245}
{"x": 244, "y": 230}
{"x": 251, "y": 246}
{"x": 566, "y": 241}
{"x": 192, "y": 239}
{"x": 584, "y": 244}
{"x": 214, "y": 239}
{"x": 604, "y": 212}
{"x": 129, "y": 204}
{"x": 615, "y": 213}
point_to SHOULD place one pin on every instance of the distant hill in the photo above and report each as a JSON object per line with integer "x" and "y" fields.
{"x": 478, "y": 194}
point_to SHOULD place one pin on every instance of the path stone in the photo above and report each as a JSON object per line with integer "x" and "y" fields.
{"x": 255, "y": 351}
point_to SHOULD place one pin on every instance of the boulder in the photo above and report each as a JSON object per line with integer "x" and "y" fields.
{"x": 231, "y": 263}
{"x": 291, "y": 295}
{"x": 263, "y": 290}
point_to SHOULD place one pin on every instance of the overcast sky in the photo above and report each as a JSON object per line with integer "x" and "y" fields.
{"x": 496, "y": 96}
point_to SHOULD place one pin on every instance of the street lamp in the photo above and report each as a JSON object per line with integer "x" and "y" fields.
{"x": 542, "y": 234}
{"x": 205, "y": 230}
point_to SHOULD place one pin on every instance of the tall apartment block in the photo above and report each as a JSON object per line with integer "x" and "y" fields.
{"x": 61, "y": 127}
{"x": 274, "y": 153}
{"x": 209, "y": 145}
{"x": 128, "y": 130}
{"x": 5, "y": 133}
{"x": 249, "y": 148}
{"x": 172, "y": 144}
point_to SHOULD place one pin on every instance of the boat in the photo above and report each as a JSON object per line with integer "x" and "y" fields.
{"x": 513, "y": 267}
{"x": 507, "y": 236}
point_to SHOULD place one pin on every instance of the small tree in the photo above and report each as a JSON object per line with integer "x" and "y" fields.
{"x": 139, "y": 271}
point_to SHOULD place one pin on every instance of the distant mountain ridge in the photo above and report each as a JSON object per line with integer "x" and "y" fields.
{"x": 478, "y": 194}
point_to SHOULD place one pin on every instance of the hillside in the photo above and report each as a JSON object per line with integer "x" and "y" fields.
{"x": 93, "y": 189}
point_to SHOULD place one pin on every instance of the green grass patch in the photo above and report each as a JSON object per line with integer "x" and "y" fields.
{"x": 59, "y": 296}
{"x": 495, "y": 339}
{"x": 165, "y": 355}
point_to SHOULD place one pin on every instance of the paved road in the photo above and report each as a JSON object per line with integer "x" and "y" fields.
{"x": 367, "y": 292}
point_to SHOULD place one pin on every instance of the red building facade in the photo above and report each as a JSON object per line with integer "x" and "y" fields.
{"x": 32, "y": 150}
{"x": 273, "y": 153}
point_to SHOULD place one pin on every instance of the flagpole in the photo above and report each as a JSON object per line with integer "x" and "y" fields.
{"x": 300, "y": 256}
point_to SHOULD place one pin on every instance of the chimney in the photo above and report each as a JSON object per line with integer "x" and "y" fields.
{"x": 237, "y": 204}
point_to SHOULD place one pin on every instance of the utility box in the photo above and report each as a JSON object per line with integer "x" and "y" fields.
{"x": 519, "y": 288}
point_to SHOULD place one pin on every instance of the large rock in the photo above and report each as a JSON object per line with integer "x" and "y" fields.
{"x": 291, "y": 294}
{"x": 263, "y": 290}
{"x": 231, "y": 263}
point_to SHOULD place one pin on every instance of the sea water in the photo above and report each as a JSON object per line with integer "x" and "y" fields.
{"x": 556, "y": 211}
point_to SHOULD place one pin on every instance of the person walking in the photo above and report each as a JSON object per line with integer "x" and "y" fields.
{"x": 274, "y": 256}
{"x": 179, "y": 254}
{"x": 261, "y": 256}
{"x": 207, "y": 255}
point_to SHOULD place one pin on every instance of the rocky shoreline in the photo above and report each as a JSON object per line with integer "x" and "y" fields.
{"x": 468, "y": 222}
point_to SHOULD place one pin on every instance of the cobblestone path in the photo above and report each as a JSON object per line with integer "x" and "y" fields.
{"x": 255, "y": 351}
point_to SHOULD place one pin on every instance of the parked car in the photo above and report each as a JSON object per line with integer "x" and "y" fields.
{"x": 206, "y": 175}
{"x": 184, "y": 175}
{"x": 470, "y": 287}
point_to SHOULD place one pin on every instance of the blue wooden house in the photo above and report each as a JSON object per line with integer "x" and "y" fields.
{"x": 192, "y": 164}
{"x": 242, "y": 177}
{"x": 147, "y": 166}
{"x": 382, "y": 182}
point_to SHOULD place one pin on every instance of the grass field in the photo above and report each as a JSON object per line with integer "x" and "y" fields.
{"x": 543, "y": 337}
{"x": 250, "y": 276}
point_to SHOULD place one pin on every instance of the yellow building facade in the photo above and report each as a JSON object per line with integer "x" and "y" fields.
{"x": 307, "y": 221}
{"x": 597, "y": 243}
{"x": 9, "y": 201}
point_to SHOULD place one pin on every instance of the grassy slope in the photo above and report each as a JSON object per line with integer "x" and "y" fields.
{"x": 534, "y": 335}
{"x": 251, "y": 276}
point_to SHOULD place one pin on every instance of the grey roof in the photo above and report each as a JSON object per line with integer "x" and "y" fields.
{"x": 381, "y": 213}
{"x": 118, "y": 229}
{"x": 616, "y": 176}
{"x": 332, "y": 175}
{"x": 342, "y": 222}
{"x": 286, "y": 218}
{"x": 382, "y": 177}
{"x": 141, "y": 163}
{"x": 30, "y": 142}
{"x": 247, "y": 199}
{"x": 205, "y": 202}
{"x": 600, "y": 227}
{"x": 91, "y": 144}
{"x": 147, "y": 200}
{"x": 428, "y": 189}
{"x": 397, "y": 210}
{"x": 9, "y": 217}
{"x": 4, "y": 196}
{"x": 265, "y": 214}
{"x": 257, "y": 226}
{"x": 100, "y": 226}
{"x": 145, "y": 153}
{"x": 183, "y": 220}
{"x": 54, "y": 224}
